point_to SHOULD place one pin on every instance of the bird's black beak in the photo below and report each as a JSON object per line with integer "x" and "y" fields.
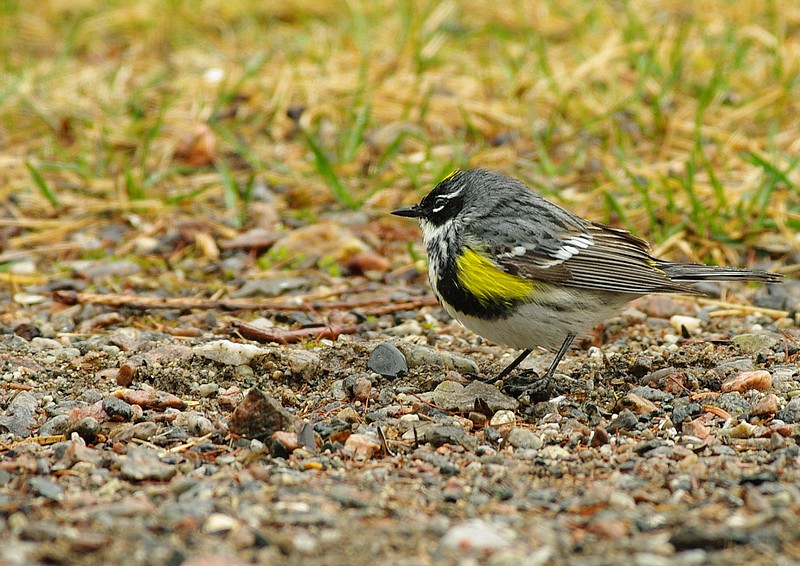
{"x": 409, "y": 211}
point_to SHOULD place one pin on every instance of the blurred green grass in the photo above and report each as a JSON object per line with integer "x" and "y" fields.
{"x": 669, "y": 118}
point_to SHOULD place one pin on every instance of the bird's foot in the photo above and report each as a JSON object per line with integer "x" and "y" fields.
{"x": 527, "y": 386}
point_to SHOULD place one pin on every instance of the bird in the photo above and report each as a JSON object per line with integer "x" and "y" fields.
{"x": 526, "y": 273}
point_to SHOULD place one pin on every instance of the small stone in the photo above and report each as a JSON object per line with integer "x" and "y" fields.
{"x": 143, "y": 431}
{"x": 503, "y": 417}
{"x": 419, "y": 355}
{"x": 742, "y": 430}
{"x": 790, "y": 414}
{"x": 318, "y": 240}
{"x": 388, "y": 361}
{"x": 767, "y": 405}
{"x": 143, "y": 464}
{"x": 524, "y": 438}
{"x": 117, "y": 409}
{"x": 231, "y": 397}
{"x": 199, "y": 425}
{"x": 20, "y": 416}
{"x": 259, "y": 415}
{"x": 448, "y": 434}
{"x": 88, "y": 428}
{"x": 126, "y": 338}
{"x": 150, "y": 398}
{"x": 732, "y": 402}
{"x": 45, "y": 487}
{"x": 626, "y": 420}
{"x": 754, "y": 343}
{"x": 362, "y": 389}
{"x": 478, "y": 419}
{"x": 638, "y": 404}
{"x": 348, "y": 415}
{"x": 207, "y": 389}
{"x": 760, "y": 380}
{"x": 475, "y": 536}
{"x": 273, "y": 287}
{"x": 599, "y": 437}
{"x": 452, "y": 396}
{"x": 682, "y": 412}
{"x": 126, "y": 374}
{"x": 362, "y": 447}
{"x": 56, "y": 426}
{"x": 228, "y": 353}
{"x": 41, "y": 344}
{"x": 287, "y": 441}
{"x": 652, "y": 394}
{"x": 641, "y": 366}
{"x": 554, "y": 452}
{"x": 218, "y": 523}
{"x": 681, "y": 322}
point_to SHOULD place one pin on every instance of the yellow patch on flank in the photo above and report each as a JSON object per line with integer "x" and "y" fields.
{"x": 480, "y": 276}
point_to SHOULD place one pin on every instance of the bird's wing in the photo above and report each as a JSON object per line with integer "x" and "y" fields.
{"x": 570, "y": 251}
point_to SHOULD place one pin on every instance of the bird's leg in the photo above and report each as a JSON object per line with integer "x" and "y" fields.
{"x": 551, "y": 371}
{"x": 546, "y": 387}
{"x": 513, "y": 365}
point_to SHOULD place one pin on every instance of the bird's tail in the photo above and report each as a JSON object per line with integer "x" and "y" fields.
{"x": 695, "y": 273}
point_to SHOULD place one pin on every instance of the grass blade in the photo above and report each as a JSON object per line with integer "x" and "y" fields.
{"x": 42, "y": 185}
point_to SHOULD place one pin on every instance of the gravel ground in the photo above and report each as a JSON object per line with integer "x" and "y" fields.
{"x": 675, "y": 444}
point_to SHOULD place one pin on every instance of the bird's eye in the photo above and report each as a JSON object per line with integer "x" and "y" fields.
{"x": 439, "y": 203}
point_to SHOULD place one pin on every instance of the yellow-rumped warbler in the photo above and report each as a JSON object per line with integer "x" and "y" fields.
{"x": 526, "y": 273}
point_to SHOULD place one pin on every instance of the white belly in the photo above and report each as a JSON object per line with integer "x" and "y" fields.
{"x": 537, "y": 326}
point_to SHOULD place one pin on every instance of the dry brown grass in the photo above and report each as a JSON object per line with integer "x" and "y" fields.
{"x": 676, "y": 120}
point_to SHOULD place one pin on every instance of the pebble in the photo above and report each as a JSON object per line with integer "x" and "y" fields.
{"x": 760, "y": 380}
{"x": 626, "y": 420}
{"x": 554, "y": 452}
{"x": 259, "y": 416}
{"x": 362, "y": 446}
{"x": 45, "y": 488}
{"x": 103, "y": 268}
{"x": 218, "y": 523}
{"x": 732, "y": 402}
{"x": 125, "y": 375}
{"x": 272, "y": 287}
{"x": 143, "y": 464}
{"x": 88, "y": 428}
{"x": 228, "y": 353}
{"x": 475, "y": 536}
{"x": 408, "y": 328}
{"x": 388, "y": 361}
{"x": 524, "y": 438}
{"x": 117, "y": 409}
{"x": 283, "y": 444}
{"x": 55, "y": 426}
{"x": 199, "y": 425}
{"x": 754, "y": 343}
{"x": 652, "y": 394}
{"x": 208, "y": 389}
{"x": 790, "y": 414}
{"x": 419, "y": 355}
{"x": 38, "y": 344}
{"x": 452, "y": 396}
{"x": 681, "y": 322}
{"x": 638, "y": 404}
{"x": 20, "y": 416}
{"x": 503, "y": 417}
{"x": 448, "y": 434}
